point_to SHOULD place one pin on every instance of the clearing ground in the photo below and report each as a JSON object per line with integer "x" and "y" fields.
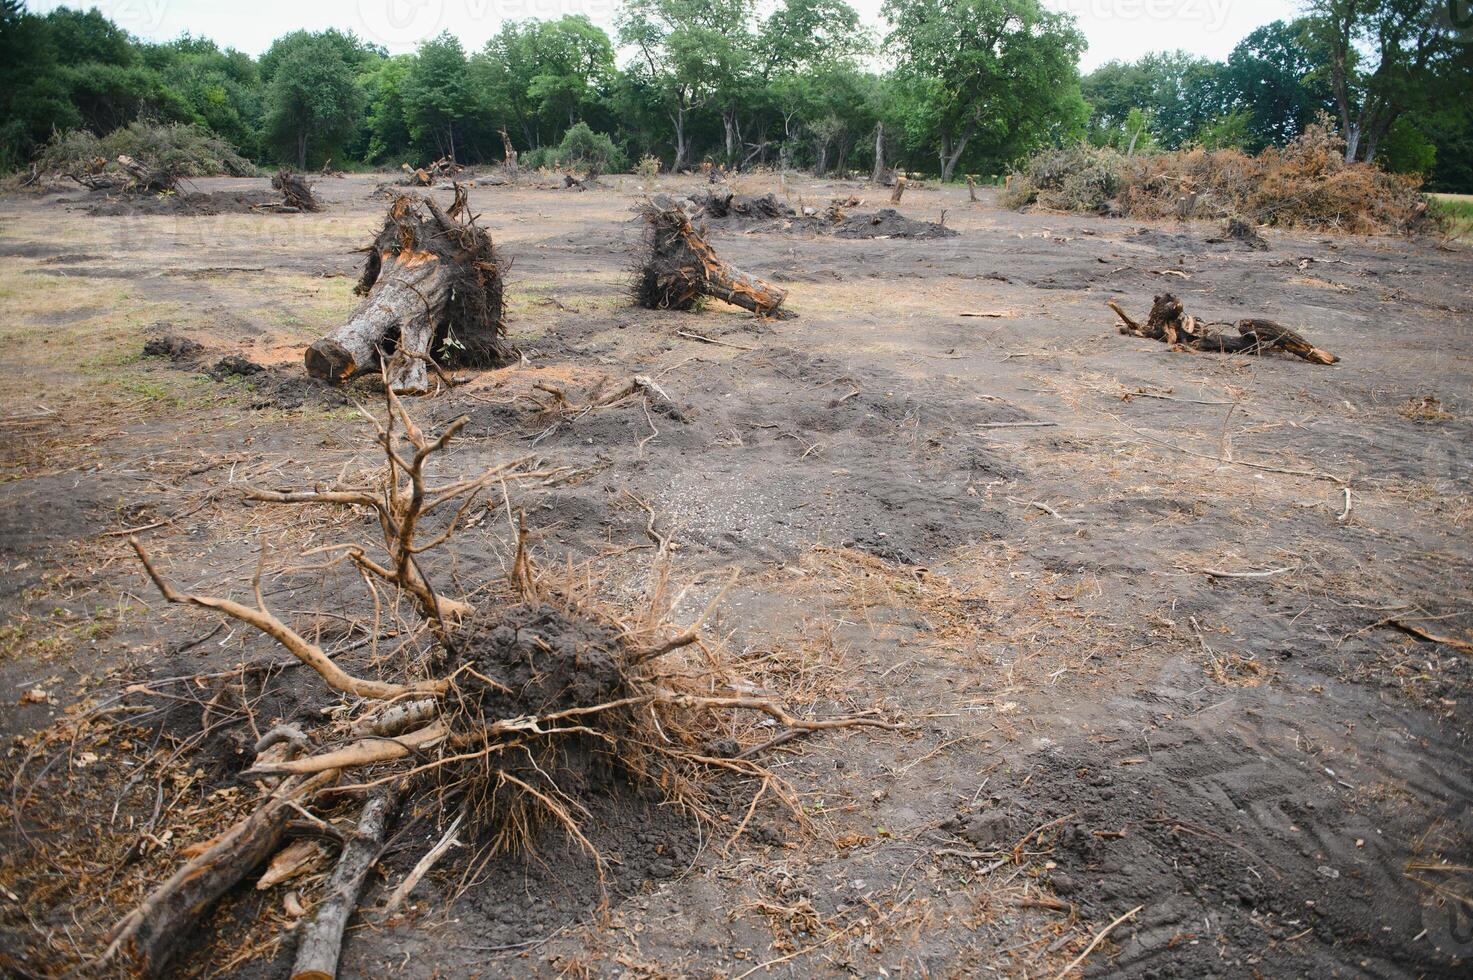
{"x": 1139, "y": 606}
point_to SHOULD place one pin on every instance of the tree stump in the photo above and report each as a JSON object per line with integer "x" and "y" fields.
{"x": 895, "y": 195}
{"x": 433, "y": 289}
{"x": 1169, "y": 323}
{"x": 295, "y": 190}
{"x": 679, "y": 267}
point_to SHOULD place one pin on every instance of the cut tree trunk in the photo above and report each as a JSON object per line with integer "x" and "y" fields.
{"x": 322, "y": 938}
{"x": 680, "y": 267}
{"x": 971, "y": 189}
{"x": 1169, "y": 323}
{"x": 146, "y": 939}
{"x": 433, "y": 289}
{"x": 899, "y": 190}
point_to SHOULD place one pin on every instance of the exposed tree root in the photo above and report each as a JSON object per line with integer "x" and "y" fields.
{"x": 1171, "y": 324}
{"x": 505, "y": 721}
{"x": 433, "y": 293}
{"x": 679, "y": 267}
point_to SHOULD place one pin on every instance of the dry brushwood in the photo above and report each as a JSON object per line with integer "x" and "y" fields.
{"x": 504, "y": 721}
{"x": 433, "y": 295}
{"x": 131, "y": 177}
{"x": 1171, "y": 324}
{"x": 678, "y": 268}
{"x": 295, "y": 190}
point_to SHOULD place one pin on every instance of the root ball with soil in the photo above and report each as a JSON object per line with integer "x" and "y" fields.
{"x": 433, "y": 294}
{"x": 514, "y": 714}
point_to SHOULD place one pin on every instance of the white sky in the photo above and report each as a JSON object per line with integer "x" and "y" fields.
{"x": 1122, "y": 29}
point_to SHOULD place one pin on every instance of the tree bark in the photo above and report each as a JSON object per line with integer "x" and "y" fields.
{"x": 680, "y": 266}
{"x": 899, "y": 191}
{"x": 411, "y": 288}
{"x": 322, "y": 937}
{"x": 146, "y": 939}
{"x": 879, "y": 153}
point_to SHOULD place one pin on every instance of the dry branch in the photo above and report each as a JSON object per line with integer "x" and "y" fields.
{"x": 146, "y": 938}
{"x": 322, "y": 938}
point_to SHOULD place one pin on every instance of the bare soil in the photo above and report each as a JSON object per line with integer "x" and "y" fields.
{"x": 1136, "y": 603}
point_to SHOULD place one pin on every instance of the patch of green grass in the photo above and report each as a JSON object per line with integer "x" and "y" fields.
{"x": 1454, "y": 207}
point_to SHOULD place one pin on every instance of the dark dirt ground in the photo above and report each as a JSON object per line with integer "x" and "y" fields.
{"x": 1275, "y": 778}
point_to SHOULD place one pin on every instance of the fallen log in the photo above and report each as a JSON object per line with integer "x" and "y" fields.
{"x": 679, "y": 267}
{"x": 1169, "y": 323}
{"x": 322, "y": 938}
{"x": 295, "y": 190}
{"x": 144, "y": 940}
{"x": 433, "y": 290}
{"x": 418, "y": 177}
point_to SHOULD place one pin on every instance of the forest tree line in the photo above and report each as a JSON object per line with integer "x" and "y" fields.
{"x": 968, "y": 86}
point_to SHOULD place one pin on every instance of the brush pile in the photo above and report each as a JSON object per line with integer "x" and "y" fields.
{"x": 1306, "y": 184}
{"x": 433, "y": 294}
{"x": 509, "y": 717}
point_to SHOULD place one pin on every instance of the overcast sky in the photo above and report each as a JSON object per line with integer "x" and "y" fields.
{"x": 1115, "y": 28}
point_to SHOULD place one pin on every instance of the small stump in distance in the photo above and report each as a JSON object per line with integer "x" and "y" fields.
{"x": 678, "y": 268}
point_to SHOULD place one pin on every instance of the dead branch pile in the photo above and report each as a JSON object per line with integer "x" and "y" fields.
{"x": 1171, "y": 324}
{"x": 442, "y": 169}
{"x": 1306, "y": 184}
{"x": 501, "y": 714}
{"x": 129, "y": 177}
{"x": 433, "y": 295}
{"x": 295, "y": 191}
{"x": 678, "y": 268}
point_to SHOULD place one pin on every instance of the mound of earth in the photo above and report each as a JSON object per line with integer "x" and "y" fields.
{"x": 217, "y": 202}
{"x": 889, "y": 223}
{"x": 271, "y": 387}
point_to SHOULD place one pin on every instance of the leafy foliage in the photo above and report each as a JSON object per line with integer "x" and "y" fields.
{"x": 971, "y": 86}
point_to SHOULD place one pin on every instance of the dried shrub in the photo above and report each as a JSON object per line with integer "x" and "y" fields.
{"x": 180, "y": 149}
{"x": 1306, "y": 184}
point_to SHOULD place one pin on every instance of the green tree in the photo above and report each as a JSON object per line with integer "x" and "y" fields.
{"x": 313, "y": 103}
{"x": 383, "y": 86}
{"x": 438, "y": 95}
{"x": 688, "y": 51}
{"x": 1001, "y": 72}
{"x": 1268, "y": 75}
{"x": 33, "y": 95}
{"x": 1382, "y": 59}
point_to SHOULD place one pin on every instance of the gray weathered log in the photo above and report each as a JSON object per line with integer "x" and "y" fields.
{"x": 322, "y": 937}
{"x": 146, "y": 939}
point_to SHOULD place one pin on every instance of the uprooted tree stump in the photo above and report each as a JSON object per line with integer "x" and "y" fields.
{"x": 433, "y": 295}
{"x": 678, "y": 268}
{"x": 295, "y": 190}
{"x": 1171, "y": 324}
{"x": 502, "y": 720}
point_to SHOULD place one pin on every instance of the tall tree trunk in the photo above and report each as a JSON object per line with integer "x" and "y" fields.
{"x": 879, "y": 152}
{"x": 678, "y": 118}
{"x": 728, "y": 121}
{"x": 302, "y": 148}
